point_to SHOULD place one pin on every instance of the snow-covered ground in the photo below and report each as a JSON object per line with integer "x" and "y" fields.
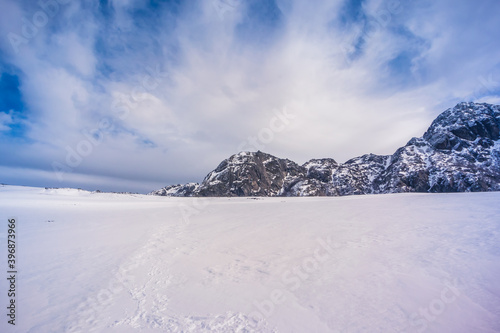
{"x": 100, "y": 262}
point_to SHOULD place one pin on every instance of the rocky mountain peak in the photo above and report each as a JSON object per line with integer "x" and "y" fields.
{"x": 249, "y": 174}
{"x": 458, "y": 127}
{"x": 459, "y": 152}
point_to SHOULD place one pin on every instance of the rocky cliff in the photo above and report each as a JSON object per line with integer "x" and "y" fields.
{"x": 460, "y": 152}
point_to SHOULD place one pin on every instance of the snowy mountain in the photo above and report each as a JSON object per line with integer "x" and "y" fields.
{"x": 460, "y": 152}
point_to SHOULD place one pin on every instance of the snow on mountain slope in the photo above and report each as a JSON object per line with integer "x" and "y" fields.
{"x": 100, "y": 262}
{"x": 178, "y": 190}
{"x": 458, "y": 153}
{"x": 249, "y": 174}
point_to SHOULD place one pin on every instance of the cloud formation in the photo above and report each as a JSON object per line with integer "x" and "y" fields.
{"x": 135, "y": 95}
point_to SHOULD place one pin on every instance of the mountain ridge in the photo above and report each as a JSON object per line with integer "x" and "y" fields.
{"x": 459, "y": 152}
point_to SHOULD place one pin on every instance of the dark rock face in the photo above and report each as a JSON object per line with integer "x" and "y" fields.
{"x": 457, "y": 127}
{"x": 357, "y": 175}
{"x": 460, "y": 152}
{"x": 186, "y": 190}
{"x": 320, "y": 169}
{"x": 249, "y": 174}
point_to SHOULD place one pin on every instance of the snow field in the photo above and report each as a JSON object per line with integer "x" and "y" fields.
{"x": 100, "y": 262}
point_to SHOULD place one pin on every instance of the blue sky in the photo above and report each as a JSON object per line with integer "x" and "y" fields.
{"x": 135, "y": 95}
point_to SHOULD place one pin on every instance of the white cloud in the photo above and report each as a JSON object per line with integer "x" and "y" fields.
{"x": 219, "y": 83}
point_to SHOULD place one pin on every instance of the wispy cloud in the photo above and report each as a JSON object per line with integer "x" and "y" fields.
{"x": 182, "y": 83}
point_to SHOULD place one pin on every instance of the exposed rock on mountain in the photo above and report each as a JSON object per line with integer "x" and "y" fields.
{"x": 186, "y": 190}
{"x": 460, "y": 152}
